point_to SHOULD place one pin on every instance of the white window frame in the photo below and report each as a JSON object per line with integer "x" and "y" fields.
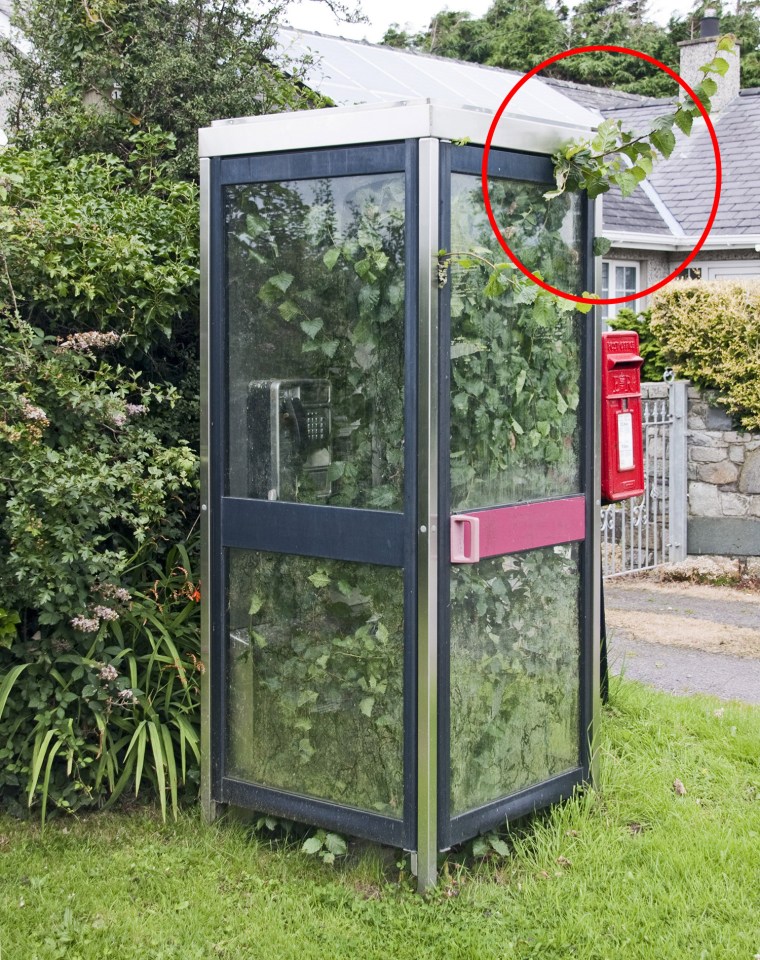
{"x": 610, "y": 310}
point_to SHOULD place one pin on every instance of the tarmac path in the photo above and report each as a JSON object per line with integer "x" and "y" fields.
{"x": 685, "y": 638}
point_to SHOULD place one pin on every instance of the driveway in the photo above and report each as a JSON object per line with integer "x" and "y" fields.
{"x": 685, "y": 638}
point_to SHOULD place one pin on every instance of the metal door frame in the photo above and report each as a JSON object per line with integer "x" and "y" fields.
{"x": 531, "y": 167}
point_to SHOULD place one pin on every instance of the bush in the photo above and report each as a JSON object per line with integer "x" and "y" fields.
{"x": 650, "y": 348}
{"x": 99, "y": 479}
{"x": 109, "y": 701}
{"x": 710, "y": 332}
{"x": 98, "y": 243}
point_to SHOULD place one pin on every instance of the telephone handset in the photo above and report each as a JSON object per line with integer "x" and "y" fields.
{"x": 293, "y": 421}
{"x": 289, "y": 431}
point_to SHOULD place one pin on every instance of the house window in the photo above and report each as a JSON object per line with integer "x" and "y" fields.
{"x": 619, "y": 279}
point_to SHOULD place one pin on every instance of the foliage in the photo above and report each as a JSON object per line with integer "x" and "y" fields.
{"x": 84, "y": 471}
{"x": 85, "y": 474}
{"x": 515, "y": 34}
{"x": 651, "y": 349}
{"x": 710, "y": 332}
{"x": 110, "y": 700}
{"x": 515, "y": 363}
{"x": 327, "y": 260}
{"x": 316, "y": 675}
{"x": 327, "y": 846}
{"x": 615, "y": 155}
{"x": 620, "y": 23}
{"x": 95, "y": 72}
{"x": 99, "y": 243}
{"x": 316, "y": 678}
{"x": 99, "y": 310}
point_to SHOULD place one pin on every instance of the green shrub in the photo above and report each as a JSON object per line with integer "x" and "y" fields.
{"x": 710, "y": 332}
{"x": 85, "y": 476}
{"x": 99, "y": 244}
{"x": 99, "y": 466}
{"x": 650, "y": 347}
{"x": 108, "y": 701}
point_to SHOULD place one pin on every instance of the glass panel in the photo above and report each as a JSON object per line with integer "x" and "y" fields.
{"x": 515, "y": 657}
{"x": 316, "y": 340}
{"x": 316, "y": 678}
{"x": 516, "y": 365}
{"x": 605, "y": 290}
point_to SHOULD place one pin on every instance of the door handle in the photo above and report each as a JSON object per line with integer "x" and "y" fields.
{"x": 465, "y": 539}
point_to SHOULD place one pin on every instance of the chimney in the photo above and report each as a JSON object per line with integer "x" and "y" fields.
{"x": 698, "y": 52}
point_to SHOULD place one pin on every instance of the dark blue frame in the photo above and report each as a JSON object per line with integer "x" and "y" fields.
{"x": 452, "y": 830}
{"x": 369, "y": 536}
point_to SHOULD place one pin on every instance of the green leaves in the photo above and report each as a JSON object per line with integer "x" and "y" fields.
{"x": 319, "y": 579}
{"x": 327, "y": 846}
{"x": 719, "y": 65}
{"x": 488, "y": 844}
{"x": 312, "y": 327}
{"x": 601, "y": 246}
{"x": 664, "y": 141}
{"x": 684, "y": 121}
{"x": 92, "y": 250}
{"x": 594, "y": 165}
{"x": 367, "y": 705}
{"x": 331, "y": 257}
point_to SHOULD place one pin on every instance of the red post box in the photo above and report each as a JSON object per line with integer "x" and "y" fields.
{"x": 622, "y": 440}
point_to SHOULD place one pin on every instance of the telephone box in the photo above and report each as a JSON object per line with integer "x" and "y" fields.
{"x": 401, "y": 503}
{"x": 622, "y": 439}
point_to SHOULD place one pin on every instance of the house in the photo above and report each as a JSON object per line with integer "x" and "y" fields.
{"x": 652, "y": 231}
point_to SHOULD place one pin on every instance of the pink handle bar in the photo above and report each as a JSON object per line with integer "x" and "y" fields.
{"x": 461, "y": 525}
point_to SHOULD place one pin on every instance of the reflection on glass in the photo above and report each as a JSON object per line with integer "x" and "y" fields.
{"x": 316, "y": 678}
{"x": 515, "y": 359}
{"x": 515, "y": 681}
{"x": 316, "y": 340}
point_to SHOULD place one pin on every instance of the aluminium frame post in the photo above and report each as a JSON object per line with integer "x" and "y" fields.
{"x": 209, "y": 806}
{"x": 427, "y": 518}
{"x": 595, "y": 493}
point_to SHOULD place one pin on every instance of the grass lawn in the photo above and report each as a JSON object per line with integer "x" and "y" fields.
{"x": 633, "y": 870}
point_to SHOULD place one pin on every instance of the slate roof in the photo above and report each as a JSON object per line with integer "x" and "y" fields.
{"x": 636, "y": 213}
{"x": 689, "y": 183}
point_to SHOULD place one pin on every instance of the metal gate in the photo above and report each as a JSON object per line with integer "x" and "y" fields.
{"x": 649, "y": 530}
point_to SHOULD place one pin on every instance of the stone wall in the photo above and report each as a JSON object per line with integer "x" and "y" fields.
{"x": 723, "y": 481}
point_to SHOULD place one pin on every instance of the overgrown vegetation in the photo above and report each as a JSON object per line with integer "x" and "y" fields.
{"x": 99, "y": 304}
{"x": 632, "y": 871}
{"x": 710, "y": 333}
{"x": 99, "y": 385}
{"x": 655, "y": 363}
{"x": 94, "y": 72}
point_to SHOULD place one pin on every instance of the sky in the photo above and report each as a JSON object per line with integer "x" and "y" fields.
{"x": 310, "y": 15}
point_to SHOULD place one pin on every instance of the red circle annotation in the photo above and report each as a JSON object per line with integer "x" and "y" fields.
{"x": 595, "y": 301}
